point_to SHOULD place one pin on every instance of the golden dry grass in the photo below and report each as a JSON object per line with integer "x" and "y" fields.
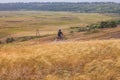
{"x": 89, "y": 60}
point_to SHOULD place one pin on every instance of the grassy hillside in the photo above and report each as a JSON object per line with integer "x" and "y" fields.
{"x": 71, "y": 59}
{"x": 89, "y": 60}
{"x": 25, "y": 23}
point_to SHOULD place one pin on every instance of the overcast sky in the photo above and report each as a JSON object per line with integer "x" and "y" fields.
{"x": 6, "y": 1}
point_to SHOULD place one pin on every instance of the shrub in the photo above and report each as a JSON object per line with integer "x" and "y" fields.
{"x": 82, "y": 29}
{"x": 108, "y": 24}
{"x": 9, "y": 40}
{"x": 103, "y": 24}
{"x": 113, "y": 24}
{"x": 92, "y": 31}
{"x": 71, "y": 32}
{"x": 94, "y": 26}
{"x": 74, "y": 27}
{"x": 0, "y": 42}
{"x": 118, "y": 22}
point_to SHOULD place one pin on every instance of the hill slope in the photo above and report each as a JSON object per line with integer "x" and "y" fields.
{"x": 25, "y": 23}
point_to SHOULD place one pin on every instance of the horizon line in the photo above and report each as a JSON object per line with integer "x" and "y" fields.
{"x": 66, "y": 2}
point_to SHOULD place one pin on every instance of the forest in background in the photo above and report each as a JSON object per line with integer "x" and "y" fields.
{"x": 84, "y": 7}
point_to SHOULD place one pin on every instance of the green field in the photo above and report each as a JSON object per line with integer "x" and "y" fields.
{"x": 25, "y": 23}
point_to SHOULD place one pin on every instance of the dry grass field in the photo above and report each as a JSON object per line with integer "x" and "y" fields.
{"x": 82, "y": 60}
{"x": 89, "y": 55}
{"x": 25, "y": 23}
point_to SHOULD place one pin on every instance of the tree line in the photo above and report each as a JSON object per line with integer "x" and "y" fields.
{"x": 84, "y": 7}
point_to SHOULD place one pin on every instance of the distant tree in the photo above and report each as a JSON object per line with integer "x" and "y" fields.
{"x": 96, "y": 7}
